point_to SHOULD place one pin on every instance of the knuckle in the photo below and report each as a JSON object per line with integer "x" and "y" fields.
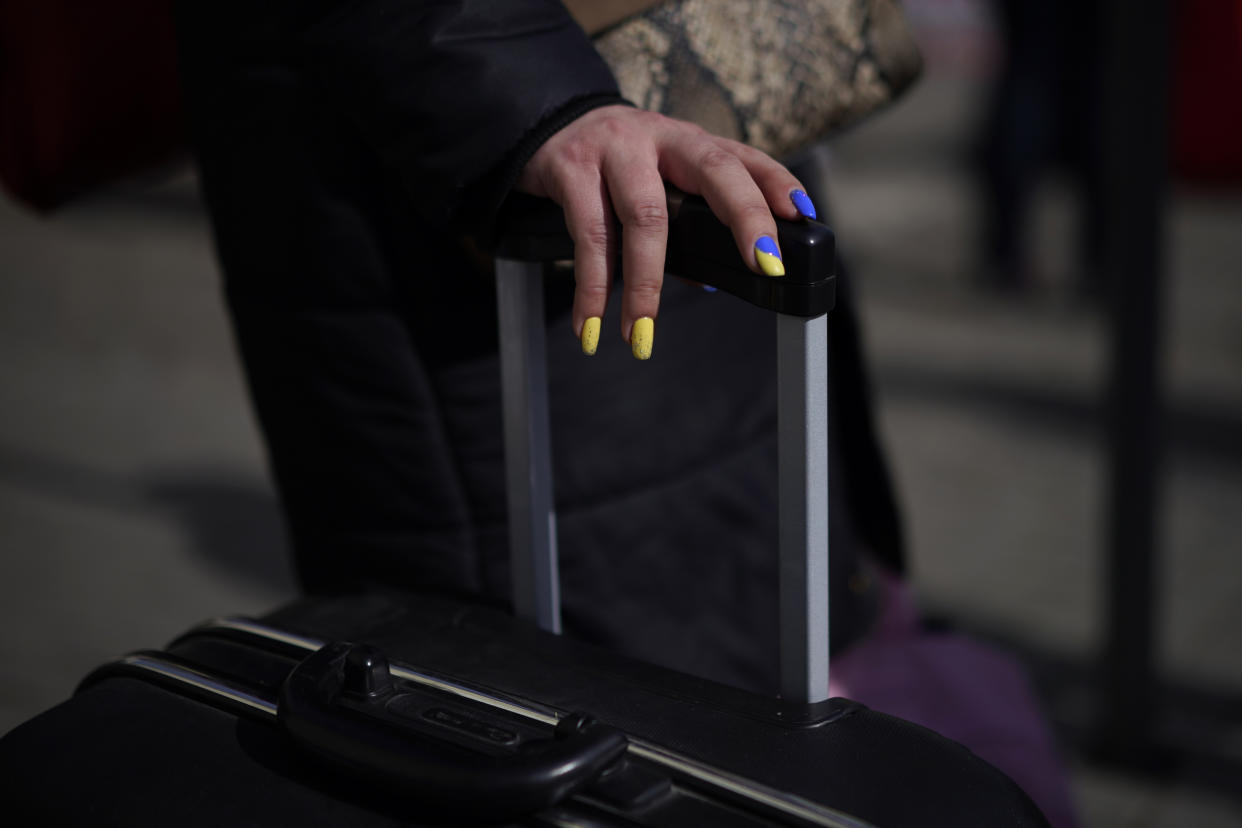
{"x": 577, "y": 151}
{"x": 644, "y": 292}
{"x": 613, "y": 127}
{"x": 756, "y": 155}
{"x": 716, "y": 159}
{"x": 648, "y": 118}
{"x": 594, "y": 235}
{"x": 646, "y": 214}
{"x": 689, "y": 129}
{"x": 592, "y": 292}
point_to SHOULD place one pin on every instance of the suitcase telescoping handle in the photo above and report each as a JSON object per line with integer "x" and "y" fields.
{"x": 702, "y": 249}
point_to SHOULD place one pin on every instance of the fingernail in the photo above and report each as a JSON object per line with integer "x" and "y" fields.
{"x": 590, "y": 335}
{"x": 709, "y": 289}
{"x": 768, "y": 255}
{"x": 803, "y": 202}
{"x": 641, "y": 336}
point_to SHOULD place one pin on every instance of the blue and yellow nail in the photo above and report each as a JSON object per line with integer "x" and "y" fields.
{"x": 803, "y": 204}
{"x": 768, "y": 257}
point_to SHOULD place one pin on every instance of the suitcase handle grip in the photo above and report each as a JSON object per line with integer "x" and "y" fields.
{"x": 342, "y": 705}
{"x": 700, "y": 248}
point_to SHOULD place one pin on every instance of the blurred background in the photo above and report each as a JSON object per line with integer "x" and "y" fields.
{"x": 134, "y": 500}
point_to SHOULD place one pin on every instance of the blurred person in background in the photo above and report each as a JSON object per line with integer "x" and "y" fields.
{"x": 1044, "y": 113}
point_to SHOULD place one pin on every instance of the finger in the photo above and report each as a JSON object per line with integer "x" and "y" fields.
{"x": 589, "y": 220}
{"x": 783, "y": 191}
{"x": 711, "y": 169}
{"x": 641, "y": 205}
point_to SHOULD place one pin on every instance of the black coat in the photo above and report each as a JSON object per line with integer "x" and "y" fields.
{"x": 352, "y": 155}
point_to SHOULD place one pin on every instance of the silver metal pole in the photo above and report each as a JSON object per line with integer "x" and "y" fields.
{"x": 528, "y": 457}
{"x": 802, "y": 420}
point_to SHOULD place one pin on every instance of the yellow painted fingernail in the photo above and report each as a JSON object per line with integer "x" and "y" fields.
{"x": 641, "y": 336}
{"x": 590, "y": 335}
{"x": 768, "y": 255}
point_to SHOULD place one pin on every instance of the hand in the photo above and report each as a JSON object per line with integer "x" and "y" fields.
{"x": 613, "y": 161}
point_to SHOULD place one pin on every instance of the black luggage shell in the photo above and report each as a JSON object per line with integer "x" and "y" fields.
{"x": 137, "y": 747}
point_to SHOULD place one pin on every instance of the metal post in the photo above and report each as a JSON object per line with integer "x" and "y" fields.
{"x": 528, "y": 457}
{"x": 802, "y": 421}
{"x": 1135, "y": 109}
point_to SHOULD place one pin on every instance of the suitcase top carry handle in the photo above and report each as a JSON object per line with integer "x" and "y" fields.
{"x": 700, "y": 248}
{"x": 340, "y": 703}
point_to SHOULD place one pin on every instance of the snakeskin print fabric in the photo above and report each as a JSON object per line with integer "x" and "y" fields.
{"x": 776, "y": 74}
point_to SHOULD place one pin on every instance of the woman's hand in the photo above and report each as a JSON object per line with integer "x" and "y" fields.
{"x": 613, "y": 161}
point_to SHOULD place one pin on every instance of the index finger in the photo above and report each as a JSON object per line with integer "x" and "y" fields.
{"x": 712, "y": 168}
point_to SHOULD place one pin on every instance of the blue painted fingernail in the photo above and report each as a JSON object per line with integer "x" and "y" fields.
{"x": 803, "y": 202}
{"x": 709, "y": 288}
{"x": 768, "y": 257}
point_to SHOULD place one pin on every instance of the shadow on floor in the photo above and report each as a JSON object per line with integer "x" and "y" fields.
{"x": 230, "y": 520}
{"x": 234, "y": 524}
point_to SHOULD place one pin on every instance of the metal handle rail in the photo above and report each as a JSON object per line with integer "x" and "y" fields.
{"x": 702, "y": 249}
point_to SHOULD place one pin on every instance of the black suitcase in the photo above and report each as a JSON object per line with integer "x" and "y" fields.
{"x": 405, "y": 709}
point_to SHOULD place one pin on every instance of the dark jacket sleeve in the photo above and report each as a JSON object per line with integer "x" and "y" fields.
{"x": 454, "y": 95}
